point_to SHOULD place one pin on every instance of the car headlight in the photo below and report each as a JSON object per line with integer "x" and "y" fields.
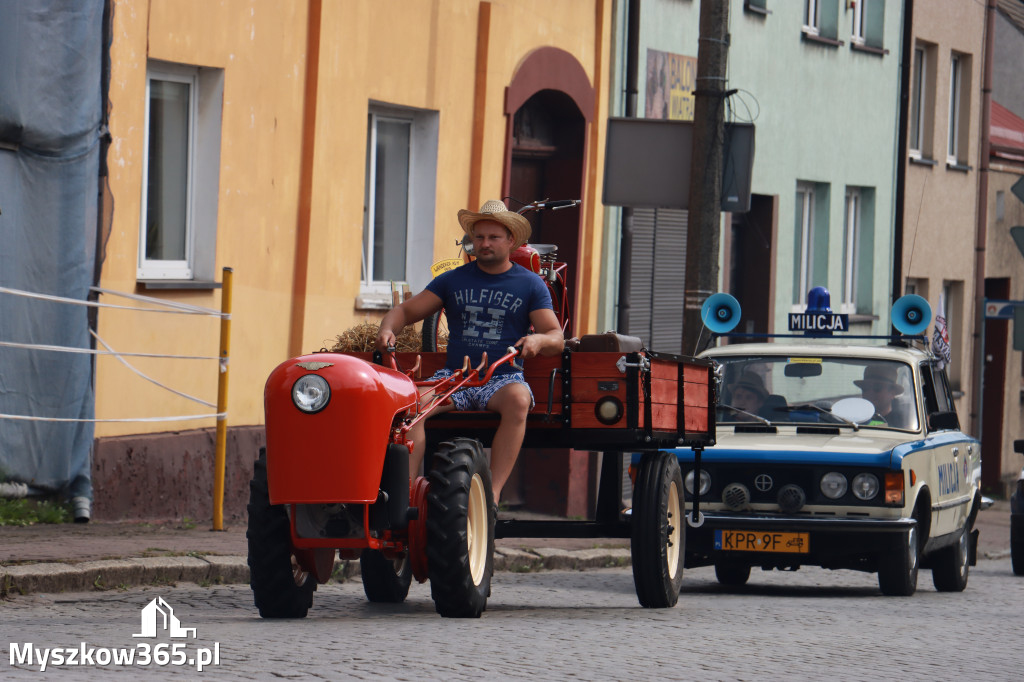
{"x": 833, "y": 485}
{"x": 311, "y": 393}
{"x": 865, "y": 486}
{"x": 705, "y": 482}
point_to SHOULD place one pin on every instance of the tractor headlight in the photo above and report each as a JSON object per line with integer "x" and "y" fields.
{"x": 833, "y": 485}
{"x": 705, "y": 482}
{"x": 865, "y": 486}
{"x": 311, "y": 393}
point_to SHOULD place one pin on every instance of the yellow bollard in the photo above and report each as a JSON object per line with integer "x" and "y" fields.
{"x": 222, "y": 402}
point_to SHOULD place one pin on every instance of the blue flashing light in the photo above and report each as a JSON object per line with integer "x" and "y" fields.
{"x": 819, "y": 300}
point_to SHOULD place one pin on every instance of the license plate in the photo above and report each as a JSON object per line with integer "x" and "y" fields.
{"x": 762, "y": 541}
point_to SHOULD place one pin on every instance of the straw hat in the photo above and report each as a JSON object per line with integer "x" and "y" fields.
{"x": 883, "y": 373}
{"x": 517, "y": 225}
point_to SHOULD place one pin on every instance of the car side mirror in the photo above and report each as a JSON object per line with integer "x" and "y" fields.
{"x": 1018, "y": 446}
{"x": 943, "y": 421}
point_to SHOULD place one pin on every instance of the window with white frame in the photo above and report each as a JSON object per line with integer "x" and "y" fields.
{"x": 922, "y": 102}
{"x": 917, "y": 107}
{"x": 181, "y": 171}
{"x": 858, "y": 244}
{"x": 805, "y": 240}
{"x": 821, "y": 20}
{"x": 810, "y": 267}
{"x": 959, "y": 108}
{"x": 812, "y": 16}
{"x": 398, "y": 216}
{"x": 851, "y": 247}
{"x": 868, "y": 23}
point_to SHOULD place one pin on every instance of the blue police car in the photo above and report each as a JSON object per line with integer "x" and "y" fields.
{"x": 835, "y": 454}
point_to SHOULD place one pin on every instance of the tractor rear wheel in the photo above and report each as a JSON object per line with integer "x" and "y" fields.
{"x": 385, "y": 580}
{"x": 280, "y": 587}
{"x": 460, "y": 529}
{"x": 659, "y": 528}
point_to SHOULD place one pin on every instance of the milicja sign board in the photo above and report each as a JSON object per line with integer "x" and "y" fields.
{"x": 647, "y": 164}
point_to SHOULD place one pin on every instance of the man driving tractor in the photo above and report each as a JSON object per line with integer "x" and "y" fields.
{"x": 491, "y": 303}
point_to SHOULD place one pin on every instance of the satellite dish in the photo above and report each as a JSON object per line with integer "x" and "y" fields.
{"x": 911, "y": 314}
{"x": 720, "y": 313}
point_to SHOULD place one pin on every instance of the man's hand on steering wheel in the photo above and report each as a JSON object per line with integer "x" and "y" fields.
{"x": 386, "y": 340}
{"x": 530, "y": 345}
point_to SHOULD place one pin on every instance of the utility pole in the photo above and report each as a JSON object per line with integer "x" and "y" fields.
{"x": 626, "y": 243}
{"x": 702, "y": 238}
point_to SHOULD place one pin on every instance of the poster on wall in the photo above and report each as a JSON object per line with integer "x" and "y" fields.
{"x": 671, "y": 79}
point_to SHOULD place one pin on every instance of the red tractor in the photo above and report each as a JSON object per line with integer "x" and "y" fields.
{"x": 334, "y": 477}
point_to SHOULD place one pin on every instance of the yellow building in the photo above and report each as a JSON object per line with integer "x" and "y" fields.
{"x": 321, "y": 150}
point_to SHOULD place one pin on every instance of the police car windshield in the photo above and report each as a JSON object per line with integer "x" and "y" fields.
{"x": 775, "y": 388}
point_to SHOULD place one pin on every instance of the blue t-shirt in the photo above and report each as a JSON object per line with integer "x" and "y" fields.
{"x": 487, "y": 312}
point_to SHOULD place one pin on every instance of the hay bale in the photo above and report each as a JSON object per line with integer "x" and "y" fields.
{"x": 362, "y": 337}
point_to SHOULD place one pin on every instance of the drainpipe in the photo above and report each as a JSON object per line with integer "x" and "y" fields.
{"x": 901, "y": 150}
{"x": 626, "y": 238}
{"x": 981, "y": 229}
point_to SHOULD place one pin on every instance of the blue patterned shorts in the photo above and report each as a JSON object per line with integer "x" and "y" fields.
{"x": 477, "y": 397}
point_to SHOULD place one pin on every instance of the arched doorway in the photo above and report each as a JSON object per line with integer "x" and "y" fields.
{"x": 549, "y": 105}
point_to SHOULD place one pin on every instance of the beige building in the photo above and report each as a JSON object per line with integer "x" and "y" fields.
{"x": 321, "y": 150}
{"x": 941, "y": 189}
{"x": 1003, "y": 396}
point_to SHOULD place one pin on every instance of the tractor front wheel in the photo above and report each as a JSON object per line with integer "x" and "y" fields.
{"x": 280, "y": 587}
{"x": 460, "y": 529}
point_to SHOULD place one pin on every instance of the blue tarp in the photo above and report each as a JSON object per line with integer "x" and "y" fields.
{"x": 51, "y": 64}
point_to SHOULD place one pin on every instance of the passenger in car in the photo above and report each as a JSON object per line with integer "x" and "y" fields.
{"x": 879, "y": 385}
{"x": 748, "y": 394}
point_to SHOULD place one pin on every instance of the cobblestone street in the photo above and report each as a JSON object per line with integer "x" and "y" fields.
{"x": 558, "y": 625}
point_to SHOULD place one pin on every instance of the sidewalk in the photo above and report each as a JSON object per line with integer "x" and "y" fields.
{"x": 100, "y": 556}
{"x": 76, "y": 557}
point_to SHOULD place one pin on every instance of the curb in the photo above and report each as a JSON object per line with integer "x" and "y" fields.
{"x": 88, "y": 576}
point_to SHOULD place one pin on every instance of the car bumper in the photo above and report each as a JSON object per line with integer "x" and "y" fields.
{"x": 832, "y": 542}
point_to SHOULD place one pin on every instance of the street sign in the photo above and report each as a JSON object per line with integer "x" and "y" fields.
{"x": 1000, "y": 310}
{"x": 1018, "y": 328}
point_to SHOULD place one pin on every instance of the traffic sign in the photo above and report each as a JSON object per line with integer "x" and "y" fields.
{"x": 1000, "y": 310}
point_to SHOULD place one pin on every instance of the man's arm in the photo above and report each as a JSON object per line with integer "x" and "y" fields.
{"x": 547, "y": 338}
{"x": 419, "y": 307}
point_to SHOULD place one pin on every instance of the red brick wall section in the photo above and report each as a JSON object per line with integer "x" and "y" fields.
{"x": 168, "y": 477}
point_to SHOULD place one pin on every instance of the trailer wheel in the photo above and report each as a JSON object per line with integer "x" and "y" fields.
{"x": 385, "y": 580}
{"x": 952, "y": 565}
{"x": 659, "y": 531}
{"x": 281, "y": 589}
{"x": 434, "y": 335}
{"x": 460, "y": 529}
